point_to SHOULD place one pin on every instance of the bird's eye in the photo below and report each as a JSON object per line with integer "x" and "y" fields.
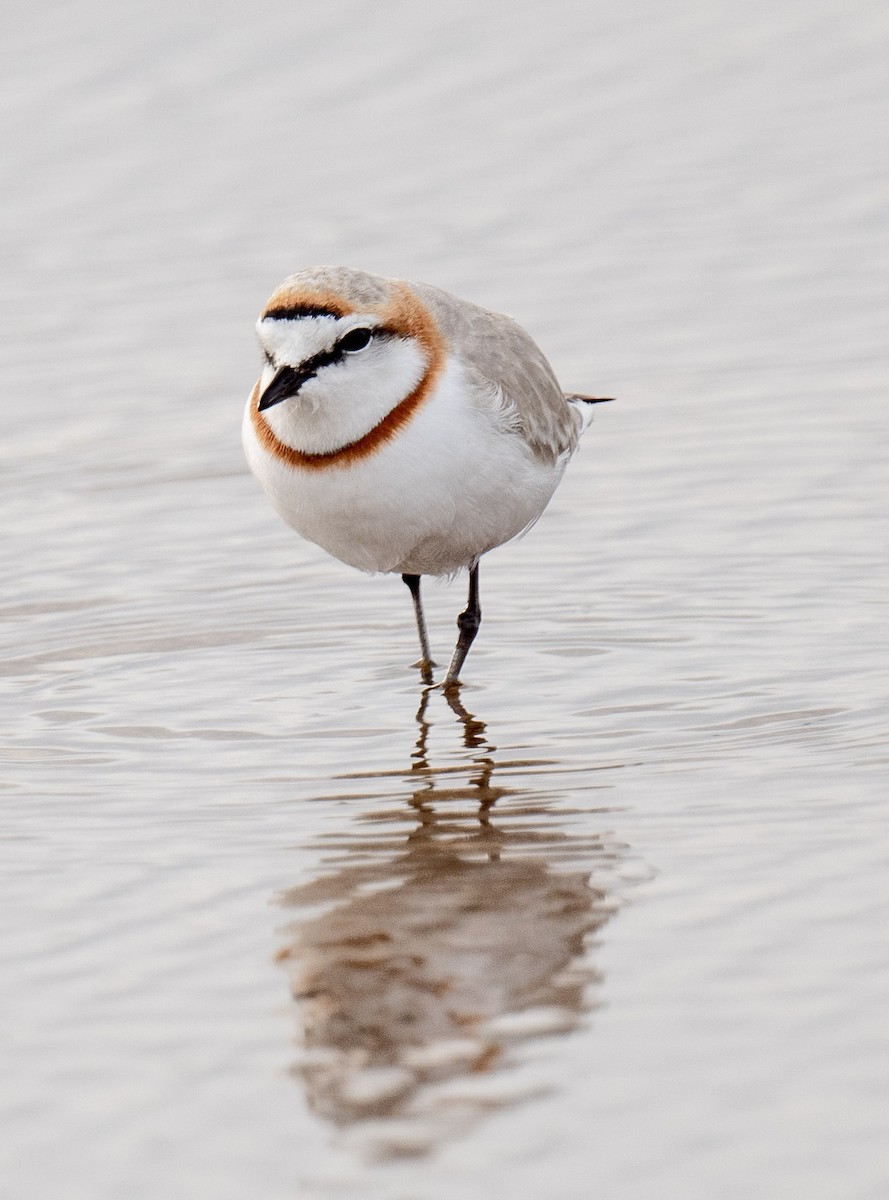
{"x": 354, "y": 340}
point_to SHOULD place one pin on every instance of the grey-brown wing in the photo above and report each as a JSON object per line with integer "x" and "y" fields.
{"x": 499, "y": 354}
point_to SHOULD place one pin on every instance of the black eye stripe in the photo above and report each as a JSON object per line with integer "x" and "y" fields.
{"x": 340, "y": 351}
{"x": 336, "y": 354}
{"x": 324, "y": 358}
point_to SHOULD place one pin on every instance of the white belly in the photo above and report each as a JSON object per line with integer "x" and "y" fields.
{"x": 452, "y": 484}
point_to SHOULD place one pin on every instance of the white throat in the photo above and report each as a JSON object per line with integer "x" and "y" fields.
{"x": 345, "y": 401}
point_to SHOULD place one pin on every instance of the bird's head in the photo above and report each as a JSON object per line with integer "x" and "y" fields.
{"x": 342, "y": 351}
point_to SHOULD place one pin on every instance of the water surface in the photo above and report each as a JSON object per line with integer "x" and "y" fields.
{"x": 276, "y": 920}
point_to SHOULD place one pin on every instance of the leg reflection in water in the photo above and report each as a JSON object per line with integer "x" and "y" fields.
{"x": 448, "y": 938}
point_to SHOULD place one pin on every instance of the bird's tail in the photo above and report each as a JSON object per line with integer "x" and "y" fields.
{"x": 581, "y": 402}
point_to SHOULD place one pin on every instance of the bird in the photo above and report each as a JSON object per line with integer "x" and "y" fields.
{"x": 405, "y": 430}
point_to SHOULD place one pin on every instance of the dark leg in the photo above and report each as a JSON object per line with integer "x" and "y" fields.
{"x": 468, "y": 623}
{"x": 425, "y": 664}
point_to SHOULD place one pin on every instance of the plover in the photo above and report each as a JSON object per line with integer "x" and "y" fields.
{"x": 404, "y": 430}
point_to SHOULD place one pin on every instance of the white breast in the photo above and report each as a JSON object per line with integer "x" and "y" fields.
{"x": 456, "y": 481}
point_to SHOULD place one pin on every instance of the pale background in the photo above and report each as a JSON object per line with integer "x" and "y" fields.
{"x": 682, "y": 668}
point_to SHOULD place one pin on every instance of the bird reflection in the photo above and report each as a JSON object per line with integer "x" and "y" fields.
{"x": 440, "y": 944}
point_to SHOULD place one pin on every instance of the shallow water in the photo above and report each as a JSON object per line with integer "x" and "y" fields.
{"x": 278, "y": 922}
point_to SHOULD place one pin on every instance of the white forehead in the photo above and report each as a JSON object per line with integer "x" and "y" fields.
{"x": 296, "y": 340}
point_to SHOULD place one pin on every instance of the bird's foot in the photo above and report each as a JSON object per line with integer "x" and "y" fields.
{"x": 450, "y": 686}
{"x": 424, "y": 666}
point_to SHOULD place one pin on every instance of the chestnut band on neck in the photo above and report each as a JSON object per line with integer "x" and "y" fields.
{"x": 352, "y": 452}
